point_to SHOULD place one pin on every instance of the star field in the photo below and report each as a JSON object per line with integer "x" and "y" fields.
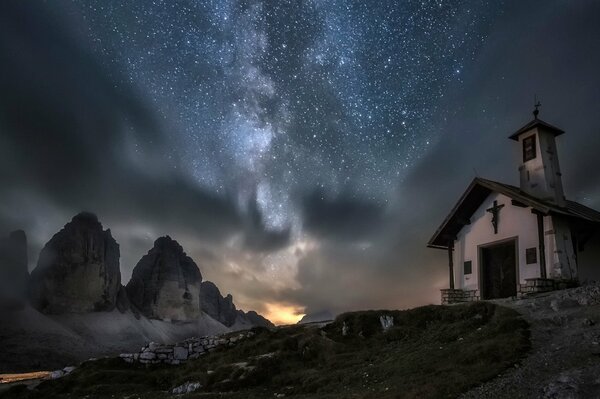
{"x": 302, "y": 152}
{"x": 268, "y": 99}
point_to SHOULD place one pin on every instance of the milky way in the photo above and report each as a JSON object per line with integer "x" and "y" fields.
{"x": 301, "y": 151}
{"x": 272, "y": 98}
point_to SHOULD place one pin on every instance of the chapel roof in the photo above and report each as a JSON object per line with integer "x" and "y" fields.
{"x": 480, "y": 189}
{"x": 536, "y": 123}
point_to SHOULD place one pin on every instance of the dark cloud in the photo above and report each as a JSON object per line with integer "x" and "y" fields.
{"x": 74, "y": 139}
{"x": 258, "y": 236}
{"x": 169, "y": 118}
{"x": 65, "y": 126}
{"x": 343, "y": 217}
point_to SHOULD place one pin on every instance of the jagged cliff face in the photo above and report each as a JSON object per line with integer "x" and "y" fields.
{"x": 78, "y": 269}
{"x": 13, "y": 268}
{"x": 255, "y": 319}
{"x": 166, "y": 283}
{"x": 216, "y": 306}
{"x": 223, "y": 309}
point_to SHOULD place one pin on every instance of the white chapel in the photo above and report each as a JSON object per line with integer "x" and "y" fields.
{"x": 504, "y": 241}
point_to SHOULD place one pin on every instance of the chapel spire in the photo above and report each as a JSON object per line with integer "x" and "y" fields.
{"x": 538, "y": 167}
{"x": 536, "y": 105}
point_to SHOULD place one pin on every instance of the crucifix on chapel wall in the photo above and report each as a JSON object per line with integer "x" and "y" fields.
{"x": 495, "y": 211}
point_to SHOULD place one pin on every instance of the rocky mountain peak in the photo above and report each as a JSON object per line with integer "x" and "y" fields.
{"x": 78, "y": 269}
{"x": 215, "y": 305}
{"x": 88, "y": 218}
{"x": 166, "y": 243}
{"x": 166, "y": 283}
{"x": 224, "y": 310}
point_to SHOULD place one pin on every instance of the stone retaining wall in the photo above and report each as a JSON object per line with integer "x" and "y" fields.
{"x": 455, "y": 295}
{"x": 180, "y": 352}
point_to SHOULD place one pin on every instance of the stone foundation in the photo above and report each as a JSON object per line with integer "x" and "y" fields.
{"x": 180, "y": 352}
{"x": 536, "y": 285}
{"x": 450, "y": 296}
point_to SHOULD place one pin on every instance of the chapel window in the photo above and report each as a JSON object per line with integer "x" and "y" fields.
{"x": 529, "y": 148}
{"x": 468, "y": 267}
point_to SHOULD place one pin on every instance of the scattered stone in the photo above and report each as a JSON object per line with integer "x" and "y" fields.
{"x": 386, "y": 322}
{"x": 186, "y": 388}
{"x": 265, "y": 355}
{"x": 344, "y": 329}
{"x": 56, "y": 374}
{"x": 588, "y": 322}
{"x": 189, "y": 349}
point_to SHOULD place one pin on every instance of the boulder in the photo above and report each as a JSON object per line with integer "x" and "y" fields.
{"x": 78, "y": 269}
{"x": 14, "y": 275}
{"x": 165, "y": 283}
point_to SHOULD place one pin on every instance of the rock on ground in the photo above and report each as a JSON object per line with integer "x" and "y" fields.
{"x": 186, "y": 388}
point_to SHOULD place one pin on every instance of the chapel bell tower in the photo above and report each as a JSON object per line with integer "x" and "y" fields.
{"x": 539, "y": 168}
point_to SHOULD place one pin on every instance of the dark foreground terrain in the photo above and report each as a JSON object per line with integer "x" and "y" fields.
{"x": 430, "y": 352}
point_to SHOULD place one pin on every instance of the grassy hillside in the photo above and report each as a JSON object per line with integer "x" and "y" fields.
{"x": 431, "y": 352}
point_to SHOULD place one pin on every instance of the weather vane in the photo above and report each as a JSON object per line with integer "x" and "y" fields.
{"x": 536, "y": 104}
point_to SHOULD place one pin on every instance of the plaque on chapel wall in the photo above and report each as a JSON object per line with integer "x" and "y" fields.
{"x": 468, "y": 267}
{"x": 528, "y": 148}
{"x": 531, "y": 255}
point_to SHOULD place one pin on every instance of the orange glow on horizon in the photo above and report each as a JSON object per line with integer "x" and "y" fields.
{"x": 15, "y": 377}
{"x": 280, "y": 314}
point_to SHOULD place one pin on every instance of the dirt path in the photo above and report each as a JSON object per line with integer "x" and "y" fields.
{"x": 565, "y": 358}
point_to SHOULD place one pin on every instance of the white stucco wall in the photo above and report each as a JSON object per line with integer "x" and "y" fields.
{"x": 514, "y": 222}
{"x": 561, "y": 261}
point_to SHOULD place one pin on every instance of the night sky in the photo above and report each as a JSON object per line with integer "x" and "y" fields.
{"x": 302, "y": 152}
